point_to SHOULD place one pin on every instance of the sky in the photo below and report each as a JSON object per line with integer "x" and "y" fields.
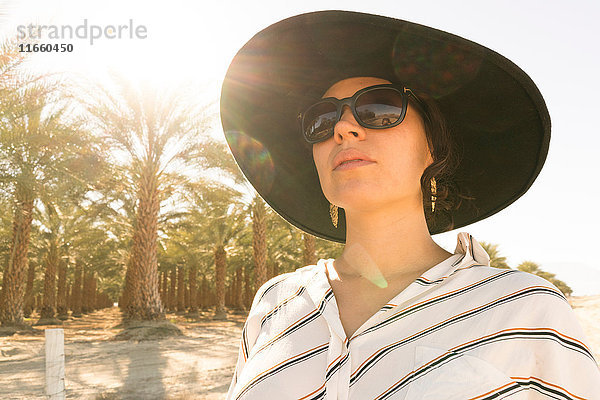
{"x": 192, "y": 43}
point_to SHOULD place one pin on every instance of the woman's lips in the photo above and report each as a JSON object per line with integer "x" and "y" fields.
{"x": 346, "y": 165}
{"x": 350, "y": 154}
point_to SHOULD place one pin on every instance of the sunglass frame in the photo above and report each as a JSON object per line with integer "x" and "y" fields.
{"x": 404, "y": 92}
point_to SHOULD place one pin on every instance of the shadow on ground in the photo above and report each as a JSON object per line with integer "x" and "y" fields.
{"x": 197, "y": 364}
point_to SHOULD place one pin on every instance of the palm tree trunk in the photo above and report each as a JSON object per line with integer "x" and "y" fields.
{"x": 70, "y": 297}
{"x": 192, "y": 282}
{"x": 29, "y": 296}
{"x": 11, "y": 301}
{"x": 204, "y": 293}
{"x": 61, "y": 294}
{"x": 128, "y": 290}
{"x": 259, "y": 242}
{"x": 248, "y": 292}
{"x": 234, "y": 287}
{"x": 186, "y": 297}
{"x": 220, "y": 270}
{"x": 76, "y": 289}
{"x": 93, "y": 292}
{"x": 124, "y": 291}
{"x": 85, "y": 292}
{"x": 310, "y": 256}
{"x": 200, "y": 296}
{"x": 146, "y": 303}
{"x": 172, "y": 291}
{"x": 163, "y": 288}
{"x": 239, "y": 293}
{"x": 49, "y": 307}
{"x": 180, "y": 289}
{"x": 228, "y": 293}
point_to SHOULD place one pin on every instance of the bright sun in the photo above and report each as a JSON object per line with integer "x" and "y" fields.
{"x": 160, "y": 45}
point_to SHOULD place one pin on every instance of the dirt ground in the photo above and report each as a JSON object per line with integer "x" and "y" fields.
{"x": 587, "y": 309}
{"x": 198, "y": 365}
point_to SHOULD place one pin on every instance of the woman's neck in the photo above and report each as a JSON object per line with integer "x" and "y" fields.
{"x": 384, "y": 246}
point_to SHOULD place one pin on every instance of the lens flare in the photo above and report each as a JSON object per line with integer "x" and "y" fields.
{"x": 255, "y": 158}
{"x": 413, "y": 64}
{"x": 369, "y": 268}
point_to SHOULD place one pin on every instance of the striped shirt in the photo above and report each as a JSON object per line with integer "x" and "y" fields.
{"x": 462, "y": 330}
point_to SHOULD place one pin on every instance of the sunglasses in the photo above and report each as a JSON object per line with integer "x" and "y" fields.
{"x": 374, "y": 107}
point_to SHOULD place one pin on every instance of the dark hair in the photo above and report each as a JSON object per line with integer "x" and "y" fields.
{"x": 446, "y": 158}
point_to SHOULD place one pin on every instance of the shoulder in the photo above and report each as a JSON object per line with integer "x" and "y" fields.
{"x": 510, "y": 295}
{"x": 282, "y": 286}
{"x": 520, "y": 304}
{"x": 512, "y": 281}
{"x": 525, "y": 297}
{"x": 273, "y": 294}
{"x": 486, "y": 282}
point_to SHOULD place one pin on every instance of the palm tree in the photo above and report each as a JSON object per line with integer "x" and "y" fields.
{"x": 77, "y": 289}
{"x": 19, "y": 119}
{"x": 179, "y": 250}
{"x": 241, "y": 263}
{"x": 51, "y": 260}
{"x": 220, "y": 158}
{"x": 158, "y": 133}
{"x": 53, "y": 238}
{"x": 218, "y": 216}
{"x": 5, "y": 230}
{"x": 114, "y": 216}
{"x": 40, "y": 144}
{"x": 285, "y": 244}
{"x": 259, "y": 240}
{"x": 193, "y": 288}
{"x": 13, "y": 278}
{"x": 61, "y": 287}
{"x": 29, "y": 294}
{"x": 310, "y": 255}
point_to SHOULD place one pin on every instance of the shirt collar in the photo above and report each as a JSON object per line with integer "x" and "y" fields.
{"x": 471, "y": 254}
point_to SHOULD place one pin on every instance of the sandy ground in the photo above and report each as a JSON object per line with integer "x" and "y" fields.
{"x": 587, "y": 309}
{"x": 198, "y": 365}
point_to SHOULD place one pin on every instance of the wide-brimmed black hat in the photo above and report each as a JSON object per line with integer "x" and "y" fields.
{"x": 494, "y": 111}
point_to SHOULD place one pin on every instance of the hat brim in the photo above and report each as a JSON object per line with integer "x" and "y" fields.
{"x": 494, "y": 110}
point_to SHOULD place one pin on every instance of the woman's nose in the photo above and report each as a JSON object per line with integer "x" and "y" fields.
{"x": 347, "y": 127}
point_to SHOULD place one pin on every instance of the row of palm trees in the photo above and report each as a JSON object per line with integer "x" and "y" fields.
{"x": 125, "y": 182}
{"x": 42, "y": 153}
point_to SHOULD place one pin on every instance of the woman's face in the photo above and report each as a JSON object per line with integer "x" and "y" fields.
{"x": 399, "y": 156}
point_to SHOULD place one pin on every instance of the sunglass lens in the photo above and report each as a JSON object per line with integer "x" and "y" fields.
{"x": 319, "y": 121}
{"x": 379, "y": 107}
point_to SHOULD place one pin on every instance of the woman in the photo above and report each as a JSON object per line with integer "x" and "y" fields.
{"x": 373, "y": 165}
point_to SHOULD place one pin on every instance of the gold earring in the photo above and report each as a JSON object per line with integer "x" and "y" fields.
{"x": 333, "y": 212}
{"x": 433, "y": 193}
